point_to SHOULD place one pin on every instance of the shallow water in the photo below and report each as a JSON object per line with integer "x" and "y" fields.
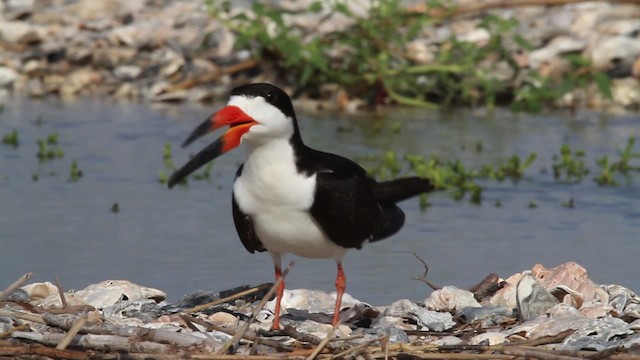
{"x": 184, "y": 239}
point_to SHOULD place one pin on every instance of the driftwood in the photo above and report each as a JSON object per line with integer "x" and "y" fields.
{"x": 18, "y": 283}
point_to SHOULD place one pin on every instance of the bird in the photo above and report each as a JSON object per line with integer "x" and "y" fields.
{"x": 288, "y": 198}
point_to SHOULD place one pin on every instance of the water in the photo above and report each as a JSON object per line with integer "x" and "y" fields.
{"x": 184, "y": 239}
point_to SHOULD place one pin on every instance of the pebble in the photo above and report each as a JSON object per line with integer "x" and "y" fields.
{"x": 124, "y": 43}
{"x": 600, "y": 316}
{"x": 450, "y": 298}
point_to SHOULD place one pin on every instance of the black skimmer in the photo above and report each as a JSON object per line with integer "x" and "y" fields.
{"x": 289, "y": 198}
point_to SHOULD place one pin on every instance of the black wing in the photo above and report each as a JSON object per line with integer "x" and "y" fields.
{"x": 346, "y": 209}
{"x": 244, "y": 225}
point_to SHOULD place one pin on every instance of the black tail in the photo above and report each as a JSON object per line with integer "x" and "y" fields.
{"x": 401, "y": 189}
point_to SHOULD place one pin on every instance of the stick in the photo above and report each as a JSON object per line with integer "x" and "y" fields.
{"x": 232, "y": 343}
{"x": 61, "y": 292}
{"x": 324, "y": 341}
{"x": 423, "y": 278}
{"x": 16, "y": 284}
{"x": 223, "y": 300}
{"x": 351, "y": 350}
{"x": 77, "y": 325}
{"x": 15, "y": 328}
{"x": 22, "y": 316}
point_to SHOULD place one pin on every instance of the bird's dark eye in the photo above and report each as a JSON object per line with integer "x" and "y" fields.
{"x": 271, "y": 97}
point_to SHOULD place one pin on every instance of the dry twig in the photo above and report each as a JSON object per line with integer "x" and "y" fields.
{"x": 61, "y": 292}
{"x": 223, "y": 300}
{"x": 423, "y": 278}
{"x": 16, "y": 284}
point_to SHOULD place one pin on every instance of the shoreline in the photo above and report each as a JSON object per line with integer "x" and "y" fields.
{"x": 170, "y": 51}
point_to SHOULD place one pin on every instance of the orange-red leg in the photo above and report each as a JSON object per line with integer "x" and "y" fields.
{"x": 341, "y": 283}
{"x": 280, "y": 291}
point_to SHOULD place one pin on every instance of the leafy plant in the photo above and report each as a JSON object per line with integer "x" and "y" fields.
{"x": 74, "y": 172}
{"x": 46, "y": 151}
{"x": 569, "y": 165}
{"x": 370, "y": 57}
{"x": 11, "y": 139}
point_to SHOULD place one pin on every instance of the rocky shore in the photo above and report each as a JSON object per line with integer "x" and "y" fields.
{"x": 172, "y": 51}
{"x": 556, "y": 313}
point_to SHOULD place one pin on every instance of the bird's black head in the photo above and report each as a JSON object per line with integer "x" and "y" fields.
{"x": 271, "y": 93}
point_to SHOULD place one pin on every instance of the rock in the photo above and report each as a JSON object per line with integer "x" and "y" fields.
{"x": 40, "y": 291}
{"x": 432, "y": 320}
{"x": 90, "y": 9}
{"x": 109, "y": 292}
{"x": 447, "y": 340}
{"x": 473, "y": 314}
{"x": 311, "y": 300}
{"x": 224, "y": 318}
{"x": 562, "y": 317}
{"x": 532, "y": 298}
{"x": 127, "y": 72}
{"x": 321, "y": 330}
{"x": 7, "y": 76}
{"x": 400, "y": 308}
{"x": 616, "y": 55}
{"x": 626, "y": 92}
{"x": 489, "y": 338}
{"x": 20, "y": 32}
{"x": 598, "y": 334}
{"x": 450, "y": 298}
{"x": 573, "y": 277}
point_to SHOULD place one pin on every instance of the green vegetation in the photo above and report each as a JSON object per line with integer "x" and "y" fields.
{"x": 11, "y": 139}
{"x": 48, "y": 149}
{"x": 372, "y": 59}
{"x": 462, "y": 182}
{"x": 74, "y": 172}
{"x": 569, "y": 165}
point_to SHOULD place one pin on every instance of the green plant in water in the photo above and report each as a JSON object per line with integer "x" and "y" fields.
{"x": 11, "y": 139}
{"x": 513, "y": 168}
{"x": 569, "y": 165}
{"x": 46, "y": 152}
{"x": 74, "y": 172}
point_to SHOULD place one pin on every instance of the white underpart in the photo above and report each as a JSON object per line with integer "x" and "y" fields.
{"x": 272, "y": 192}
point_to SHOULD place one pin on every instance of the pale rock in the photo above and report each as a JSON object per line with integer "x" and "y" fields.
{"x": 432, "y": 320}
{"x": 598, "y": 310}
{"x": 321, "y": 330}
{"x": 616, "y": 55}
{"x": 624, "y": 27}
{"x": 626, "y": 92}
{"x": 311, "y": 300}
{"x": 40, "y": 291}
{"x": 450, "y": 298}
{"x": 507, "y": 294}
{"x": 224, "y": 318}
{"x": 109, "y": 292}
{"x": 400, "y": 308}
{"x": 91, "y": 9}
{"x": 447, "y": 340}
{"x": 127, "y": 72}
{"x": 559, "y": 45}
{"x": 20, "y": 32}
{"x": 489, "y": 338}
{"x": 7, "y": 76}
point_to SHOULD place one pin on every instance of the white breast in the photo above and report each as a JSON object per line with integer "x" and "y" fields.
{"x": 278, "y": 199}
